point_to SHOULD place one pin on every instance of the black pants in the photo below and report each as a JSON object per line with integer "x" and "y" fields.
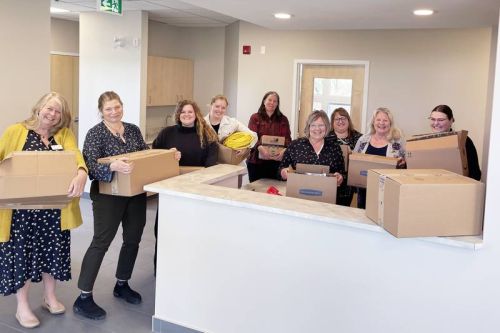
{"x": 109, "y": 211}
{"x": 362, "y": 198}
{"x": 267, "y": 169}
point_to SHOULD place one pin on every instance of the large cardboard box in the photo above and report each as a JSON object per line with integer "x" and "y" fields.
{"x": 425, "y": 202}
{"x": 438, "y": 151}
{"x": 36, "y": 179}
{"x": 346, "y": 151}
{"x": 359, "y": 164}
{"x": 149, "y": 166}
{"x": 312, "y": 182}
{"x": 275, "y": 144}
{"x": 229, "y": 156}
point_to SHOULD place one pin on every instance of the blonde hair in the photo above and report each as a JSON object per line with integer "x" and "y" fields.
{"x": 394, "y": 132}
{"x": 205, "y": 132}
{"x": 217, "y": 97}
{"x": 33, "y": 122}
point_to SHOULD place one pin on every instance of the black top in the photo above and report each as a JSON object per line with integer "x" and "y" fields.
{"x": 350, "y": 140}
{"x": 216, "y": 127}
{"x": 472, "y": 160}
{"x": 100, "y": 142}
{"x": 376, "y": 151}
{"x": 301, "y": 151}
{"x": 186, "y": 140}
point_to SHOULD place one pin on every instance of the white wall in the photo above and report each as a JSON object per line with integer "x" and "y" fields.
{"x": 411, "y": 71}
{"x": 64, "y": 36}
{"x": 232, "y": 47}
{"x": 24, "y": 60}
{"x": 104, "y": 67}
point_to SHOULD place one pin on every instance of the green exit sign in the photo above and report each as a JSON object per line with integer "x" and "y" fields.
{"x": 110, "y": 6}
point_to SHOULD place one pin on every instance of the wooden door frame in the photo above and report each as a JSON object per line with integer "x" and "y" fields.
{"x": 297, "y": 79}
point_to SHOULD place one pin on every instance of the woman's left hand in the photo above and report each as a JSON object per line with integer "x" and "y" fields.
{"x": 340, "y": 178}
{"x": 77, "y": 185}
{"x": 177, "y": 154}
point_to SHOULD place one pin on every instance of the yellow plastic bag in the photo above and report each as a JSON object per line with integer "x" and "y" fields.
{"x": 238, "y": 140}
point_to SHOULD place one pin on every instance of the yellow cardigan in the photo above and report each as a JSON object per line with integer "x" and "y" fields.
{"x": 13, "y": 139}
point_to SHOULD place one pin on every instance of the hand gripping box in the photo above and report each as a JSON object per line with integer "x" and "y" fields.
{"x": 275, "y": 144}
{"x": 425, "y": 202}
{"x": 359, "y": 164}
{"x": 438, "y": 151}
{"x": 150, "y": 166}
{"x": 36, "y": 179}
{"x": 312, "y": 182}
{"x": 228, "y": 155}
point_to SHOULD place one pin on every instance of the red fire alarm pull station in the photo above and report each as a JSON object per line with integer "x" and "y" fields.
{"x": 247, "y": 49}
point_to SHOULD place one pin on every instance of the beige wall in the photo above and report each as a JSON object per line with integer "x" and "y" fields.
{"x": 64, "y": 36}
{"x": 24, "y": 60}
{"x": 231, "y": 66}
{"x": 411, "y": 71}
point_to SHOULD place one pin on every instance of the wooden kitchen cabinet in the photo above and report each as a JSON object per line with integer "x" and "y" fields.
{"x": 169, "y": 80}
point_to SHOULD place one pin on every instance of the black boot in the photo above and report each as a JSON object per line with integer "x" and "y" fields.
{"x": 86, "y": 307}
{"x": 123, "y": 290}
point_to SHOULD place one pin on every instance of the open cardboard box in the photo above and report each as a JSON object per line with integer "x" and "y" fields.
{"x": 438, "y": 151}
{"x": 229, "y": 156}
{"x": 275, "y": 144}
{"x": 36, "y": 179}
{"x": 150, "y": 166}
{"x": 425, "y": 202}
{"x": 359, "y": 164}
{"x": 312, "y": 182}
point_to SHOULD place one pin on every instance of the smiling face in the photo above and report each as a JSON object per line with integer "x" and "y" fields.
{"x": 382, "y": 124}
{"x": 317, "y": 129}
{"x": 217, "y": 111}
{"x": 187, "y": 116}
{"x": 439, "y": 122}
{"x": 50, "y": 114}
{"x": 270, "y": 103}
{"x": 112, "y": 111}
{"x": 340, "y": 123}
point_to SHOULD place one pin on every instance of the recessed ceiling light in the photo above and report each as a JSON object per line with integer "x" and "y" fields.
{"x": 283, "y": 16}
{"x": 423, "y": 12}
{"x": 58, "y": 10}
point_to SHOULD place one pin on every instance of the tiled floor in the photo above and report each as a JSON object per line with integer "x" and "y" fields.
{"x": 121, "y": 316}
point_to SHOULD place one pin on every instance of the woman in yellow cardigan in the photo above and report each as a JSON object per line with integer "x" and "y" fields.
{"x": 35, "y": 243}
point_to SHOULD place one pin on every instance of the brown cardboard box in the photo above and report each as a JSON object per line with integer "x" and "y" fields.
{"x": 424, "y": 203}
{"x": 149, "y": 166}
{"x": 228, "y": 155}
{"x": 275, "y": 144}
{"x": 36, "y": 179}
{"x": 359, "y": 164}
{"x": 312, "y": 182}
{"x": 187, "y": 169}
{"x": 346, "y": 151}
{"x": 438, "y": 151}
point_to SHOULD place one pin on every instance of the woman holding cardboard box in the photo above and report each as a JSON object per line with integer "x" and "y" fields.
{"x": 194, "y": 139}
{"x": 343, "y": 130}
{"x": 35, "y": 243}
{"x": 315, "y": 148}
{"x": 111, "y": 137}
{"x": 223, "y": 125}
{"x": 262, "y": 162}
{"x": 383, "y": 139}
{"x": 441, "y": 120}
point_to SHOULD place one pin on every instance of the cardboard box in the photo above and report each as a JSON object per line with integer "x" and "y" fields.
{"x": 359, "y": 164}
{"x": 187, "y": 169}
{"x": 346, "y": 151}
{"x": 150, "y": 166}
{"x": 229, "y": 156}
{"x": 275, "y": 144}
{"x": 425, "y": 202}
{"x": 36, "y": 179}
{"x": 312, "y": 182}
{"x": 438, "y": 151}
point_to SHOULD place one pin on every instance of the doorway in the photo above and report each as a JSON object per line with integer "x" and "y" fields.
{"x": 326, "y": 85}
{"x": 64, "y": 80}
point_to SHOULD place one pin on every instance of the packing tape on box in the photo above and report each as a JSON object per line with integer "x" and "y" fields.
{"x": 381, "y": 187}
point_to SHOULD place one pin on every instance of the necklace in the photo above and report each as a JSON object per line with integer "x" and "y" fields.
{"x": 116, "y": 132}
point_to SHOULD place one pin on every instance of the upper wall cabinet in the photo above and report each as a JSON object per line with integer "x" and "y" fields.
{"x": 169, "y": 80}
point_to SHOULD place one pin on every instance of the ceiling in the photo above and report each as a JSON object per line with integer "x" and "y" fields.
{"x": 306, "y": 14}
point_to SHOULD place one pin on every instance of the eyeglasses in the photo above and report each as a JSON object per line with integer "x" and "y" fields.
{"x": 340, "y": 119}
{"x": 317, "y": 126}
{"x": 439, "y": 120}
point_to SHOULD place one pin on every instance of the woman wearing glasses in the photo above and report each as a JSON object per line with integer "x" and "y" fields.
{"x": 441, "y": 120}
{"x": 315, "y": 148}
{"x": 345, "y": 134}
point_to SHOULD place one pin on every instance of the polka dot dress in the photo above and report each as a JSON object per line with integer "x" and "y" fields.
{"x": 37, "y": 245}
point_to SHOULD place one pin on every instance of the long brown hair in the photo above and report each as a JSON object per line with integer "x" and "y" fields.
{"x": 205, "y": 132}
{"x": 343, "y": 112}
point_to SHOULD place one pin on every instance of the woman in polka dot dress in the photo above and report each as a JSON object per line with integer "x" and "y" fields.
{"x": 35, "y": 243}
